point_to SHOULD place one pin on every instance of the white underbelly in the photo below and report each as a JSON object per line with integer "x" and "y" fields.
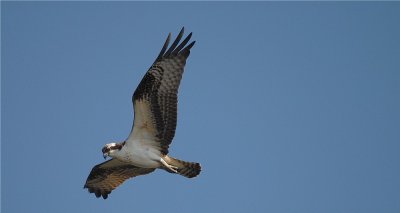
{"x": 142, "y": 156}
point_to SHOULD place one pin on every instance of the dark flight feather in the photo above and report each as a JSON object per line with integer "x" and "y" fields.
{"x": 159, "y": 87}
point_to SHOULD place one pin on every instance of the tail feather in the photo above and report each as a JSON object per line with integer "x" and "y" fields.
{"x": 187, "y": 169}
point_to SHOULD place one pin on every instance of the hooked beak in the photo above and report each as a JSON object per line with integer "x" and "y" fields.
{"x": 105, "y": 155}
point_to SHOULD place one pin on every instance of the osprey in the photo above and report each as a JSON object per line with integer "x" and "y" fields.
{"x": 155, "y": 115}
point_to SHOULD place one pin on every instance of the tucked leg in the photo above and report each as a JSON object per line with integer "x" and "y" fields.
{"x": 170, "y": 168}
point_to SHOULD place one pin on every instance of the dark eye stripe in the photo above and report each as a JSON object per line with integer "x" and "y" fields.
{"x": 115, "y": 147}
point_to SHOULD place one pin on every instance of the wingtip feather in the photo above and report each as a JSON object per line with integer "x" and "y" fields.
{"x": 175, "y": 43}
{"x": 164, "y": 48}
{"x": 176, "y": 49}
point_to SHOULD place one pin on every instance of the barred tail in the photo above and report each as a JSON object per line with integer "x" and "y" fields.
{"x": 187, "y": 169}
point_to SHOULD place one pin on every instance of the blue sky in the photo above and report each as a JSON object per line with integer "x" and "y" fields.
{"x": 288, "y": 106}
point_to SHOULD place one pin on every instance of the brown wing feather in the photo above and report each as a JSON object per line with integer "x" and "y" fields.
{"x": 107, "y": 176}
{"x": 158, "y": 92}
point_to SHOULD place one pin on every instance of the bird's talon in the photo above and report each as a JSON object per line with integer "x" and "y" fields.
{"x": 174, "y": 169}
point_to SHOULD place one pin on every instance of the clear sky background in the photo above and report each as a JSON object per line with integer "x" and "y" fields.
{"x": 289, "y": 107}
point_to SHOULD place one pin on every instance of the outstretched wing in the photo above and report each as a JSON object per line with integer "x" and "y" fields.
{"x": 155, "y": 99}
{"x": 107, "y": 176}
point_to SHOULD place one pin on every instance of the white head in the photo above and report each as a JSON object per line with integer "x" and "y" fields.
{"x": 111, "y": 149}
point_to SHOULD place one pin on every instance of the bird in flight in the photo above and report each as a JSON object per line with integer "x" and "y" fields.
{"x": 155, "y": 115}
